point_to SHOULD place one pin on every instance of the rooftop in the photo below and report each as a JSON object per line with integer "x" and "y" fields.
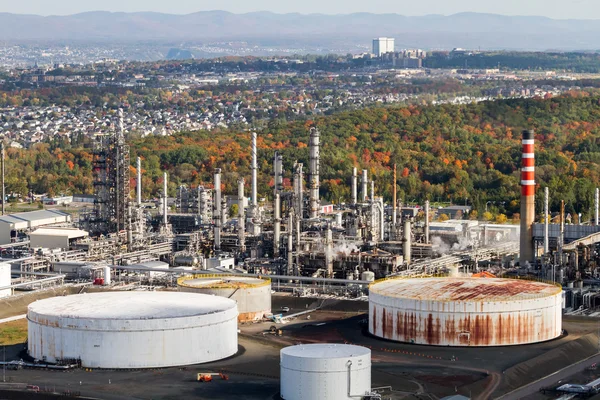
{"x": 464, "y": 289}
{"x": 221, "y": 282}
{"x": 132, "y": 305}
{"x": 325, "y": 350}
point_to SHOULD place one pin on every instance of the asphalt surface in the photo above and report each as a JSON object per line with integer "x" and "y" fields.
{"x": 550, "y": 380}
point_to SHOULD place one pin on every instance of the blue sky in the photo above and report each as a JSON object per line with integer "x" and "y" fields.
{"x": 588, "y": 9}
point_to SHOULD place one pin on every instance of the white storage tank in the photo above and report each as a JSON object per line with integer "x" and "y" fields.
{"x": 133, "y": 329}
{"x": 325, "y": 372}
{"x": 368, "y": 276}
{"x": 107, "y": 276}
{"x": 5, "y": 280}
{"x": 253, "y": 295}
{"x": 465, "y": 311}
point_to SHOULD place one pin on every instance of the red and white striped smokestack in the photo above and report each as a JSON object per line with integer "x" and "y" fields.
{"x": 527, "y": 197}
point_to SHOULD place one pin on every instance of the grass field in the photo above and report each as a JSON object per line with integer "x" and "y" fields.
{"x": 14, "y": 332}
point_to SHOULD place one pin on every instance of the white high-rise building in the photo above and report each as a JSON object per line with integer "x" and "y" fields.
{"x": 383, "y": 45}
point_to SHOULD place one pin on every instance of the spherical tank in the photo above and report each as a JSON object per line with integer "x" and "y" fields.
{"x": 325, "y": 372}
{"x": 253, "y": 295}
{"x": 465, "y": 311}
{"x": 133, "y": 329}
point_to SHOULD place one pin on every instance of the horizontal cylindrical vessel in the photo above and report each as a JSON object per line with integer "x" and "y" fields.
{"x": 325, "y": 372}
{"x": 465, "y": 311}
{"x": 133, "y": 329}
{"x": 252, "y": 295}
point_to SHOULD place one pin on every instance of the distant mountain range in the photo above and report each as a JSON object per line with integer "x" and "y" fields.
{"x": 471, "y": 30}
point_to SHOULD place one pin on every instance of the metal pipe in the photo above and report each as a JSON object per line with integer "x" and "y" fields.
{"x": 139, "y": 181}
{"x": 254, "y": 171}
{"x": 217, "y": 210}
{"x": 277, "y": 226}
{"x": 354, "y": 186}
{"x": 426, "y": 221}
{"x": 406, "y": 242}
{"x": 365, "y": 183}
{"x": 395, "y": 199}
{"x": 546, "y": 220}
{"x": 165, "y": 197}
{"x": 241, "y": 216}
{"x": 314, "y": 173}
{"x": 527, "y": 197}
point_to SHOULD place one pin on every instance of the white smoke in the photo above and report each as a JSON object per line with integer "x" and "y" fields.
{"x": 442, "y": 248}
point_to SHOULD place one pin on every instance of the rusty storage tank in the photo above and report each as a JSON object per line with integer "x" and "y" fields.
{"x": 465, "y": 311}
{"x": 253, "y": 295}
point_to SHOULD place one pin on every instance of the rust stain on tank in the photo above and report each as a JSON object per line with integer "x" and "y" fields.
{"x": 374, "y": 320}
{"x": 384, "y": 325}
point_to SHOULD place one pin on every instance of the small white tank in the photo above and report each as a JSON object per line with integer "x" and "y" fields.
{"x": 107, "y": 279}
{"x": 325, "y": 372}
{"x": 368, "y": 276}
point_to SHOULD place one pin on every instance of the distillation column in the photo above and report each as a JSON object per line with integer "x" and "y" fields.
{"x": 277, "y": 226}
{"x": 354, "y": 186}
{"x": 278, "y": 173}
{"x": 298, "y": 190}
{"x": 290, "y": 243}
{"x": 314, "y": 173}
{"x": 241, "y": 216}
{"x": 546, "y": 220}
{"x": 394, "y": 201}
{"x": 597, "y": 207}
{"x": 406, "y": 242}
{"x": 165, "y": 200}
{"x": 527, "y": 198}
{"x": 217, "y": 209}
{"x": 426, "y": 221}
{"x": 365, "y": 184}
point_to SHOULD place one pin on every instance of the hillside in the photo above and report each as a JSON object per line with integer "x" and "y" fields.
{"x": 446, "y": 153}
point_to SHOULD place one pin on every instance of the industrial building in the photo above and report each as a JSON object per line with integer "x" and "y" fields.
{"x": 132, "y": 329}
{"x": 325, "y": 371}
{"x": 15, "y": 226}
{"x": 55, "y": 238}
{"x": 465, "y": 311}
{"x": 252, "y": 295}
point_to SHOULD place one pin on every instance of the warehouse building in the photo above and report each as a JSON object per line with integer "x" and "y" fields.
{"x": 15, "y": 226}
{"x": 55, "y": 238}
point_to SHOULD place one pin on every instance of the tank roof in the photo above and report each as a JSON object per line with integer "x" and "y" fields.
{"x": 132, "y": 305}
{"x": 325, "y": 350}
{"x": 217, "y": 281}
{"x": 464, "y": 289}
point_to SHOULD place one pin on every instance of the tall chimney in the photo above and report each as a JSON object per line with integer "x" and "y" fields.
{"x": 139, "y": 181}
{"x": 546, "y": 220}
{"x": 298, "y": 189}
{"x": 527, "y": 198}
{"x": 290, "y": 243}
{"x": 354, "y": 186}
{"x": 395, "y": 199}
{"x": 254, "y": 171}
{"x": 314, "y": 173}
{"x": 277, "y": 226}
{"x": 426, "y": 221}
{"x": 365, "y": 183}
{"x": 165, "y": 200}
{"x": 3, "y": 161}
{"x": 406, "y": 242}
{"x": 278, "y": 172}
{"x": 372, "y": 190}
{"x": 597, "y": 207}
{"x": 329, "y": 251}
{"x": 217, "y": 209}
{"x": 241, "y": 216}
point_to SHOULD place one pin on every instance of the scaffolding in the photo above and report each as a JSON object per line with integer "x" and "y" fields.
{"x": 111, "y": 184}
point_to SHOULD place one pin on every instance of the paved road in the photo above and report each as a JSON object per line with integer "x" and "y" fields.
{"x": 562, "y": 374}
{"x": 15, "y": 318}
